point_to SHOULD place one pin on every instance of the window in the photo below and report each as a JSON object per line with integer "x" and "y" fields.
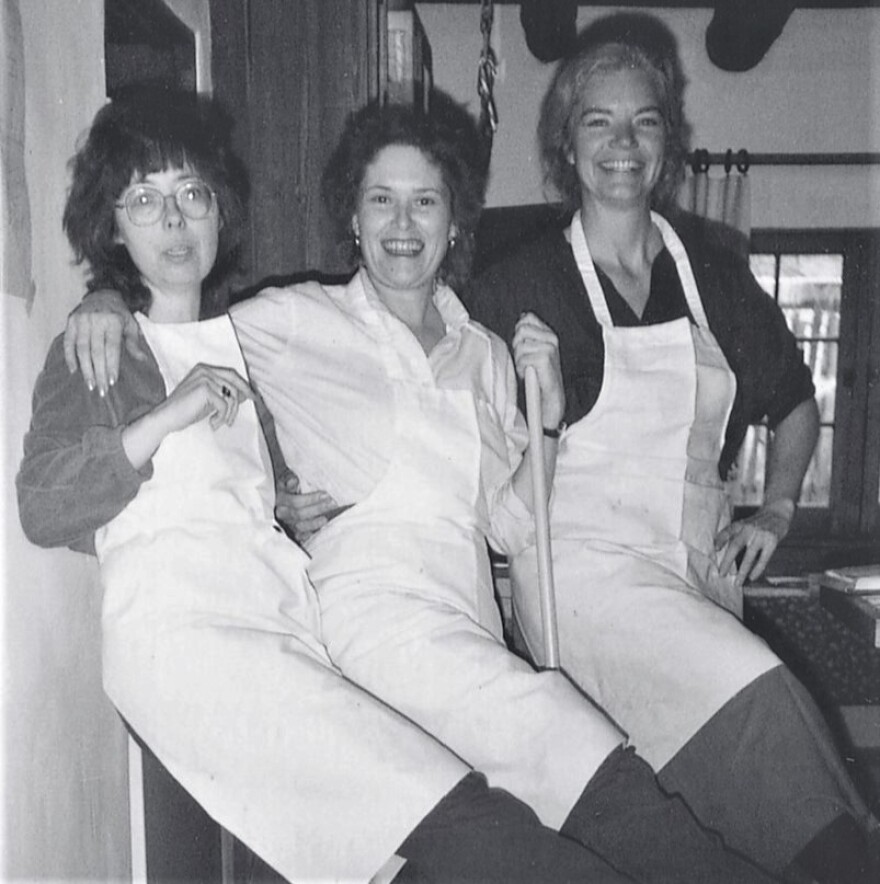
{"x": 828, "y": 286}
{"x": 807, "y": 287}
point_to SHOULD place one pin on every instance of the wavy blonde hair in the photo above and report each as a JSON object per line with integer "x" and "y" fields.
{"x": 624, "y": 41}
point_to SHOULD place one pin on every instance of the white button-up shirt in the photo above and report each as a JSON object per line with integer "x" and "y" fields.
{"x": 325, "y": 359}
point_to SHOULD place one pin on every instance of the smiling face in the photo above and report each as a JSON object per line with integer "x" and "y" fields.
{"x": 403, "y": 219}
{"x": 175, "y": 253}
{"x": 619, "y": 139}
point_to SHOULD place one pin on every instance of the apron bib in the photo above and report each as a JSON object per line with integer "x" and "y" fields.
{"x": 211, "y": 655}
{"x": 636, "y": 504}
{"x": 408, "y": 607}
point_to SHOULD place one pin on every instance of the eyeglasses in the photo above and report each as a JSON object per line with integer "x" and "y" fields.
{"x": 145, "y": 204}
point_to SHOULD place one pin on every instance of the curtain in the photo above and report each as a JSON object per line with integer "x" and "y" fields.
{"x": 721, "y": 195}
{"x": 15, "y": 220}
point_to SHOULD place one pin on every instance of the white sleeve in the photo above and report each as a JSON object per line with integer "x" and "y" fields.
{"x": 511, "y": 524}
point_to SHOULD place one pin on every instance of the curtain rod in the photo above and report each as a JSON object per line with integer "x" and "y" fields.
{"x": 740, "y": 158}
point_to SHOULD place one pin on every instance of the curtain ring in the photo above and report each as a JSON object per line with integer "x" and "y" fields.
{"x": 742, "y": 161}
{"x": 700, "y": 161}
{"x": 728, "y": 161}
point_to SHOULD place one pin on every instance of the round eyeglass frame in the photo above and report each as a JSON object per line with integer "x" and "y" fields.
{"x": 187, "y": 209}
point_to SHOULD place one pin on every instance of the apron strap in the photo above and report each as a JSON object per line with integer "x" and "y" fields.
{"x": 587, "y": 268}
{"x": 685, "y": 271}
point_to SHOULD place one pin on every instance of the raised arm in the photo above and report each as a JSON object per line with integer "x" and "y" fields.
{"x": 75, "y": 475}
{"x": 86, "y": 454}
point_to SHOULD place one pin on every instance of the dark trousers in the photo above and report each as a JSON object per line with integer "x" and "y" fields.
{"x": 766, "y": 773}
{"x": 482, "y": 835}
{"x": 623, "y": 828}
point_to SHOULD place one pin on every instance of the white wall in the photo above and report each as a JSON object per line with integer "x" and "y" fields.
{"x": 63, "y": 776}
{"x": 64, "y": 789}
{"x": 817, "y": 91}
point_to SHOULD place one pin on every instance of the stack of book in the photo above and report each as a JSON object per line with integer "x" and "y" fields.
{"x": 853, "y": 595}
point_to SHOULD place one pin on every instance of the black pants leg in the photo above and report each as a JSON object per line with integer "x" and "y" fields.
{"x": 625, "y": 817}
{"x": 842, "y": 853}
{"x": 765, "y": 773}
{"x": 482, "y": 835}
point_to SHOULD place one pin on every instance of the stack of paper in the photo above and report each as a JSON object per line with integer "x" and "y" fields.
{"x": 854, "y": 578}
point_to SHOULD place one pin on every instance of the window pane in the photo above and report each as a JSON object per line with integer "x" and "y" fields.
{"x": 812, "y": 321}
{"x": 821, "y": 356}
{"x": 764, "y": 269}
{"x": 809, "y": 294}
{"x": 811, "y": 281}
{"x": 816, "y": 490}
{"x": 808, "y": 290}
{"x": 747, "y": 486}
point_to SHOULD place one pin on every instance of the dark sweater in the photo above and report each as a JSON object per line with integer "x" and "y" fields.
{"x": 75, "y": 475}
{"x": 542, "y": 277}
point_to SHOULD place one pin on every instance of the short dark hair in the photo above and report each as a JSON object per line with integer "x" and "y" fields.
{"x": 613, "y": 42}
{"x": 146, "y": 130}
{"x": 446, "y": 134}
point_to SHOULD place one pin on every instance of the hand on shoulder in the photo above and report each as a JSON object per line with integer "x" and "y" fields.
{"x": 94, "y": 335}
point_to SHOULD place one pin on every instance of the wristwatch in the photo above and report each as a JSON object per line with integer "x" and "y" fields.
{"x": 555, "y": 432}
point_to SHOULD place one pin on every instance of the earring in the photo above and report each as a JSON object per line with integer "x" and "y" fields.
{"x": 357, "y": 240}
{"x": 451, "y": 242}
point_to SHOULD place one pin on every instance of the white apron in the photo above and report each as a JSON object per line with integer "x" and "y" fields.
{"x": 210, "y": 655}
{"x": 636, "y": 505}
{"x": 408, "y": 610}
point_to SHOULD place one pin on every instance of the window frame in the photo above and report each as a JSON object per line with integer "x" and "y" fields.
{"x": 853, "y": 513}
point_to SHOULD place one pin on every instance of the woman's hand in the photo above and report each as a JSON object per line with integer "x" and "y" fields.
{"x": 791, "y": 447}
{"x": 303, "y": 514}
{"x": 756, "y": 538}
{"x": 94, "y": 335}
{"x": 535, "y": 344}
{"x": 208, "y": 391}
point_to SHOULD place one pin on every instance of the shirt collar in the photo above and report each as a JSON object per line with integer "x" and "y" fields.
{"x": 452, "y": 311}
